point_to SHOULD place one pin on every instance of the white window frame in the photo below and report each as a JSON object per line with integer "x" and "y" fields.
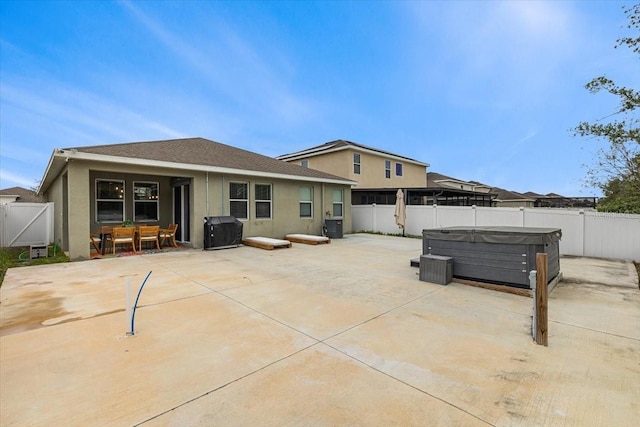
{"x": 246, "y": 201}
{"x": 387, "y": 169}
{"x": 156, "y": 201}
{"x": 336, "y": 204}
{"x": 269, "y": 201}
{"x": 356, "y": 163}
{"x": 120, "y": 199}
{"x": 306, "y": 202}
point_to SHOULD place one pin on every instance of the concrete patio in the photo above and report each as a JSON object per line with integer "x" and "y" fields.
{"x": 337, "y": 334}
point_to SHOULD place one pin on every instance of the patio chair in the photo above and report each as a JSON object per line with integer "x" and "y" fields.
{"x": 148, "y": 233}
{"x": 95, "y": 240}
{"x": 123, "y": 236}
{"x": 169, "y": 234}
{"x": 98, "y": 240}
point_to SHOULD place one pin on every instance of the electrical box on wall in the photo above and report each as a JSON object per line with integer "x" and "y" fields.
{"x": 38, "y": 251}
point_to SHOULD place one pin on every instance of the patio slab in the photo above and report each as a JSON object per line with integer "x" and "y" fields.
{"x": 339, "y": 334}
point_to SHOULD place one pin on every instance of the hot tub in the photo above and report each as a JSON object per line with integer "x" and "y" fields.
{"x": 502, "y": 255}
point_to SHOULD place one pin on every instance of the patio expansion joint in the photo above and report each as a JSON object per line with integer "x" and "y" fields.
{"x": 594, "y": 330}
{"x": 324, "y": 341}
{"x": 426, "y": 393}
{"x": 255, "y": 371}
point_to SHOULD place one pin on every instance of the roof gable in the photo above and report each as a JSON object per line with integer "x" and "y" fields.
{"x": 189, "y": 153}
{"x": 341, "y": 144}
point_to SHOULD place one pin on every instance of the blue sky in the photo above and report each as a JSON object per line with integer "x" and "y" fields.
{"x": 485, "y": 91}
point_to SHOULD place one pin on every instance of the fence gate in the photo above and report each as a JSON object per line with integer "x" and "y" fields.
{"x": 25, "y": 224}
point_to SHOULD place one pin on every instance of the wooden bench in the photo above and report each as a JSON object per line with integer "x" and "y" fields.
{"x": 266, "y": 243}
{"x": 307, "y": 239}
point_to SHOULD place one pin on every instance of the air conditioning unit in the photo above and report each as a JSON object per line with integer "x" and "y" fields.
{"x": 38, "y": 251}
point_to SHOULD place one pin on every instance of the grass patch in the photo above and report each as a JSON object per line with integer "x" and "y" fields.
{"x": 19, "y": 257}
{"x": 379, "y": 233}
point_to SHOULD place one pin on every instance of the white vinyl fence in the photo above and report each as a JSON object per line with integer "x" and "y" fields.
{"x": 584, "y": 233}
{"x": 24, "y": 224}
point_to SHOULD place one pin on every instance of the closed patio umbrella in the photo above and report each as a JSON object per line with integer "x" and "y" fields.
{"x": 401, "y": 210}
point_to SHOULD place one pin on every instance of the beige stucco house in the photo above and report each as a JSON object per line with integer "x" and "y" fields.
{"x": 183, "y": 181}
{"x": 369, "y": 167}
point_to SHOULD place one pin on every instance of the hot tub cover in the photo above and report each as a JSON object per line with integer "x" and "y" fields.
{"x": 491, "y": 234}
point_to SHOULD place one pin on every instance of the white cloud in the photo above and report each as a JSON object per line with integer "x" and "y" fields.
{"x": 10, "y": 179}
{"x": 81, "y": 113}
{"x": 246, "y": 76}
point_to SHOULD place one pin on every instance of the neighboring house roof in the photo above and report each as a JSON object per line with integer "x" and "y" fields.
{"x": 188, "y": 154}
{"x": 503, "y": 195}
{"x": 435, "y": 179}
{"x": 533, "y": 195}
{"x": 341, "y": 144}
{"x": 21, "y": 195}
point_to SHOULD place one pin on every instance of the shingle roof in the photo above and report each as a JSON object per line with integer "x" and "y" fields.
{"x": 533, "y": 195}
{"x": 503, "y": 194}
{"x": 24, "y": 195}
{"x": 204, "y": 152}
{"x": 433, "y": 177}
{"x": 338, "y": 143}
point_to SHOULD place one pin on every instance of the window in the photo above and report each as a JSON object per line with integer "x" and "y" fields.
{"x": 304, "y": 163}
{"x": 398, "y": 169}
{"x": 239, "y": 200}
{"x": 263, "y": 200}
{"x": 337, "y": 203}
{"x": 306, "y": 202}
{"x": 109, "y": 201}
{"x": 145, "y": 201}
{"x": 356, "y": 163}
{"x": 387, "y": 169}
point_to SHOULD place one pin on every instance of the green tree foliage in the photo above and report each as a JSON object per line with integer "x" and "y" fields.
{"x": 617, "y": 168}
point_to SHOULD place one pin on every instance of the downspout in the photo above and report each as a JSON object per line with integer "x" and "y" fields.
{"x": 207, "y": 186}
{"x": 322, "y": 203}
{"x": 222, "y": 198}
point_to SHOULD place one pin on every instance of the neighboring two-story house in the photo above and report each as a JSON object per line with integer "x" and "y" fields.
{"x": 379, "y": 174}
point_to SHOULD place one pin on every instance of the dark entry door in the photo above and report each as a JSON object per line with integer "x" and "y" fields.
{"x": 181, "y": 212}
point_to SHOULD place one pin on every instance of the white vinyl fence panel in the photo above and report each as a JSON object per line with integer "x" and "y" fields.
{"x": 24, "y": 224}
{"x": 584, "y": 233}
{"x": 612, "y": 235}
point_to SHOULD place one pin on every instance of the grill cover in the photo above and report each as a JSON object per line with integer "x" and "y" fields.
{"x": 222, "y": 231}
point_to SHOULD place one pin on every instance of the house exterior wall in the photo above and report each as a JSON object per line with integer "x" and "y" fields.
{"x": 78, "y": 210}
{"x": 372, "y": 169}
{"x": 372, "y": 172}
{"x": 209, "y": 196}
{"x": 55, "y": 195}
{"x": 285, "y": 218}
{"x": 337, "y": 163}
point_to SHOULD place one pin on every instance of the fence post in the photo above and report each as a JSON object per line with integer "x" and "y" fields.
{"x": 374, "y": 217}
{"x": 582, "y": 230}
{"x": 541, "y": 299}
{"x": 435, "y": 216}
{"x": 532, "y": 284}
